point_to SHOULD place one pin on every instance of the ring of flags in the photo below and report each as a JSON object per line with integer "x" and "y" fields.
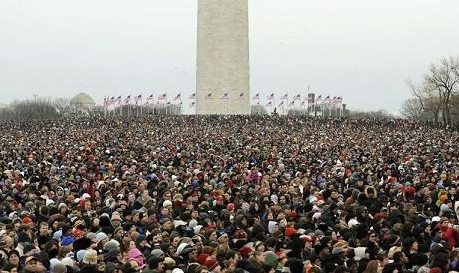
{"x": 298, "y": 100}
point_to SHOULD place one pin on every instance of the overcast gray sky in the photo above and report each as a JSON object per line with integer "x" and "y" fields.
{"x": 362, "y": 50}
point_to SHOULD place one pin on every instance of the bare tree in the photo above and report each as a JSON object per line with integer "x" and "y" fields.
{"x": 7, "y": 114}
{"x": 444, "y": 79}
{"x": 62, "y": 105}
{"x": 436, "y": 95}
{"x": 412, "y": 109}
{"x": 36, "y": 109}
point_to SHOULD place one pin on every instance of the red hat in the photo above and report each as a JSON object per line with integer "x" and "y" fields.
{"x": 211, "y": 263}
{"x": 245, "y": 251}
{"x": 307, "y": 238}
{"x": 292, "y": 214}
{"x": 27, "y": 221}
{"x": 410, "y": 191}
{"x": 219, "y": 198}
{"x": 290, "y": 231}
{"x": 230, "y": 206}
{"x": 82, "y": 203}
{"x": 381, "y": 215}
{"x": 435, "y": 270}
{"x": 78, "y": 233}
{"x": 202, "y": 258}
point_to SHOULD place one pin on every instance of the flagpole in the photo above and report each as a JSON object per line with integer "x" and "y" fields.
{"x": 105, "y": 107}
{"x": 315, "y": 105}
{"x": 121, "y": 106}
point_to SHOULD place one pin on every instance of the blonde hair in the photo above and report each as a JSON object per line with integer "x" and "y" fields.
{"x": 372, "y": 267}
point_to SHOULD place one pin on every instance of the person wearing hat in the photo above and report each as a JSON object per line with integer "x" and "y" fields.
{"x": 111, "y": 268}
{"x": 212, "y": 265}
{"x": 58, "y": 268}
{"x": 155, "y": 265}
{"x": 14, "y": 259}
{"x": 308, "y": 249}
{"x": 157, "y": 253}
{"x": 397, "y": 225}
{"x": 23, "y": 239}
{"x": 180, "y": 227}
{"x": 440, "y": 263}
{"x": 186, "y": 254}
{"x": 116, "y": 220}
{"x": 136, "y": 256}
{"x": 89, "y": 262}
{"x": 32, "y": 264}
{"x": 118, "y": 233}
{"x": 142, "y": 245}
{"x": 101, "y": 238}
{"x": 166, "y": 224}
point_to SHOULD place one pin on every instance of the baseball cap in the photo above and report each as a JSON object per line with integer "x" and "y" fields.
{"x": 30, "y": 258}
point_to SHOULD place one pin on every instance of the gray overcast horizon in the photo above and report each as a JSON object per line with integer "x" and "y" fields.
{"x": 361, "y": 50}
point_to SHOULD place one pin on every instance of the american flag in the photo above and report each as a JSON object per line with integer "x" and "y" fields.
{"x": 208, "y": 96}
{"x": 224, "y": 96}
{"x": 327, "y": 99}
{"x": 291, "y": 103}
{"x": 281, "y": 104}
{"x": 127, "y": 99}
{"x": 269, "y": 103}
{"x": 257, "y": 96}
{"x": 177, "y": 97}
{"x": 297, "y": 97}
{"x": 284, "y": 97}
{"x": 271, "y": 97}
{"x": 192, "y": 96}
{"x": 112, "y": 100}
{"x": 137, "y": 98}
{"x": 192, "y": 104}
{"x": 118, "y": 100}
{"x": 150, "y": 97}
{"x": 241, "y": 96}
{"x": 162, "y": 96}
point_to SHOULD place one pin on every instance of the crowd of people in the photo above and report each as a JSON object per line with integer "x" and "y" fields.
{"x": 228, "y": 194}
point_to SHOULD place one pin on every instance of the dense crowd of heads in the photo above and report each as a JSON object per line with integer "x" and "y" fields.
{"x": 228, "y": 194}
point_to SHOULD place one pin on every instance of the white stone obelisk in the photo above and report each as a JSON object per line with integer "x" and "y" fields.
{"x": 222, "y": 68}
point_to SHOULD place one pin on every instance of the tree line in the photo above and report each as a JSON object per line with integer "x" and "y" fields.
{"x": 37, "y": 108}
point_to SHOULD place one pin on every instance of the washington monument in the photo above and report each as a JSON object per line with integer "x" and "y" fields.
{"x": 222, "y": 67}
